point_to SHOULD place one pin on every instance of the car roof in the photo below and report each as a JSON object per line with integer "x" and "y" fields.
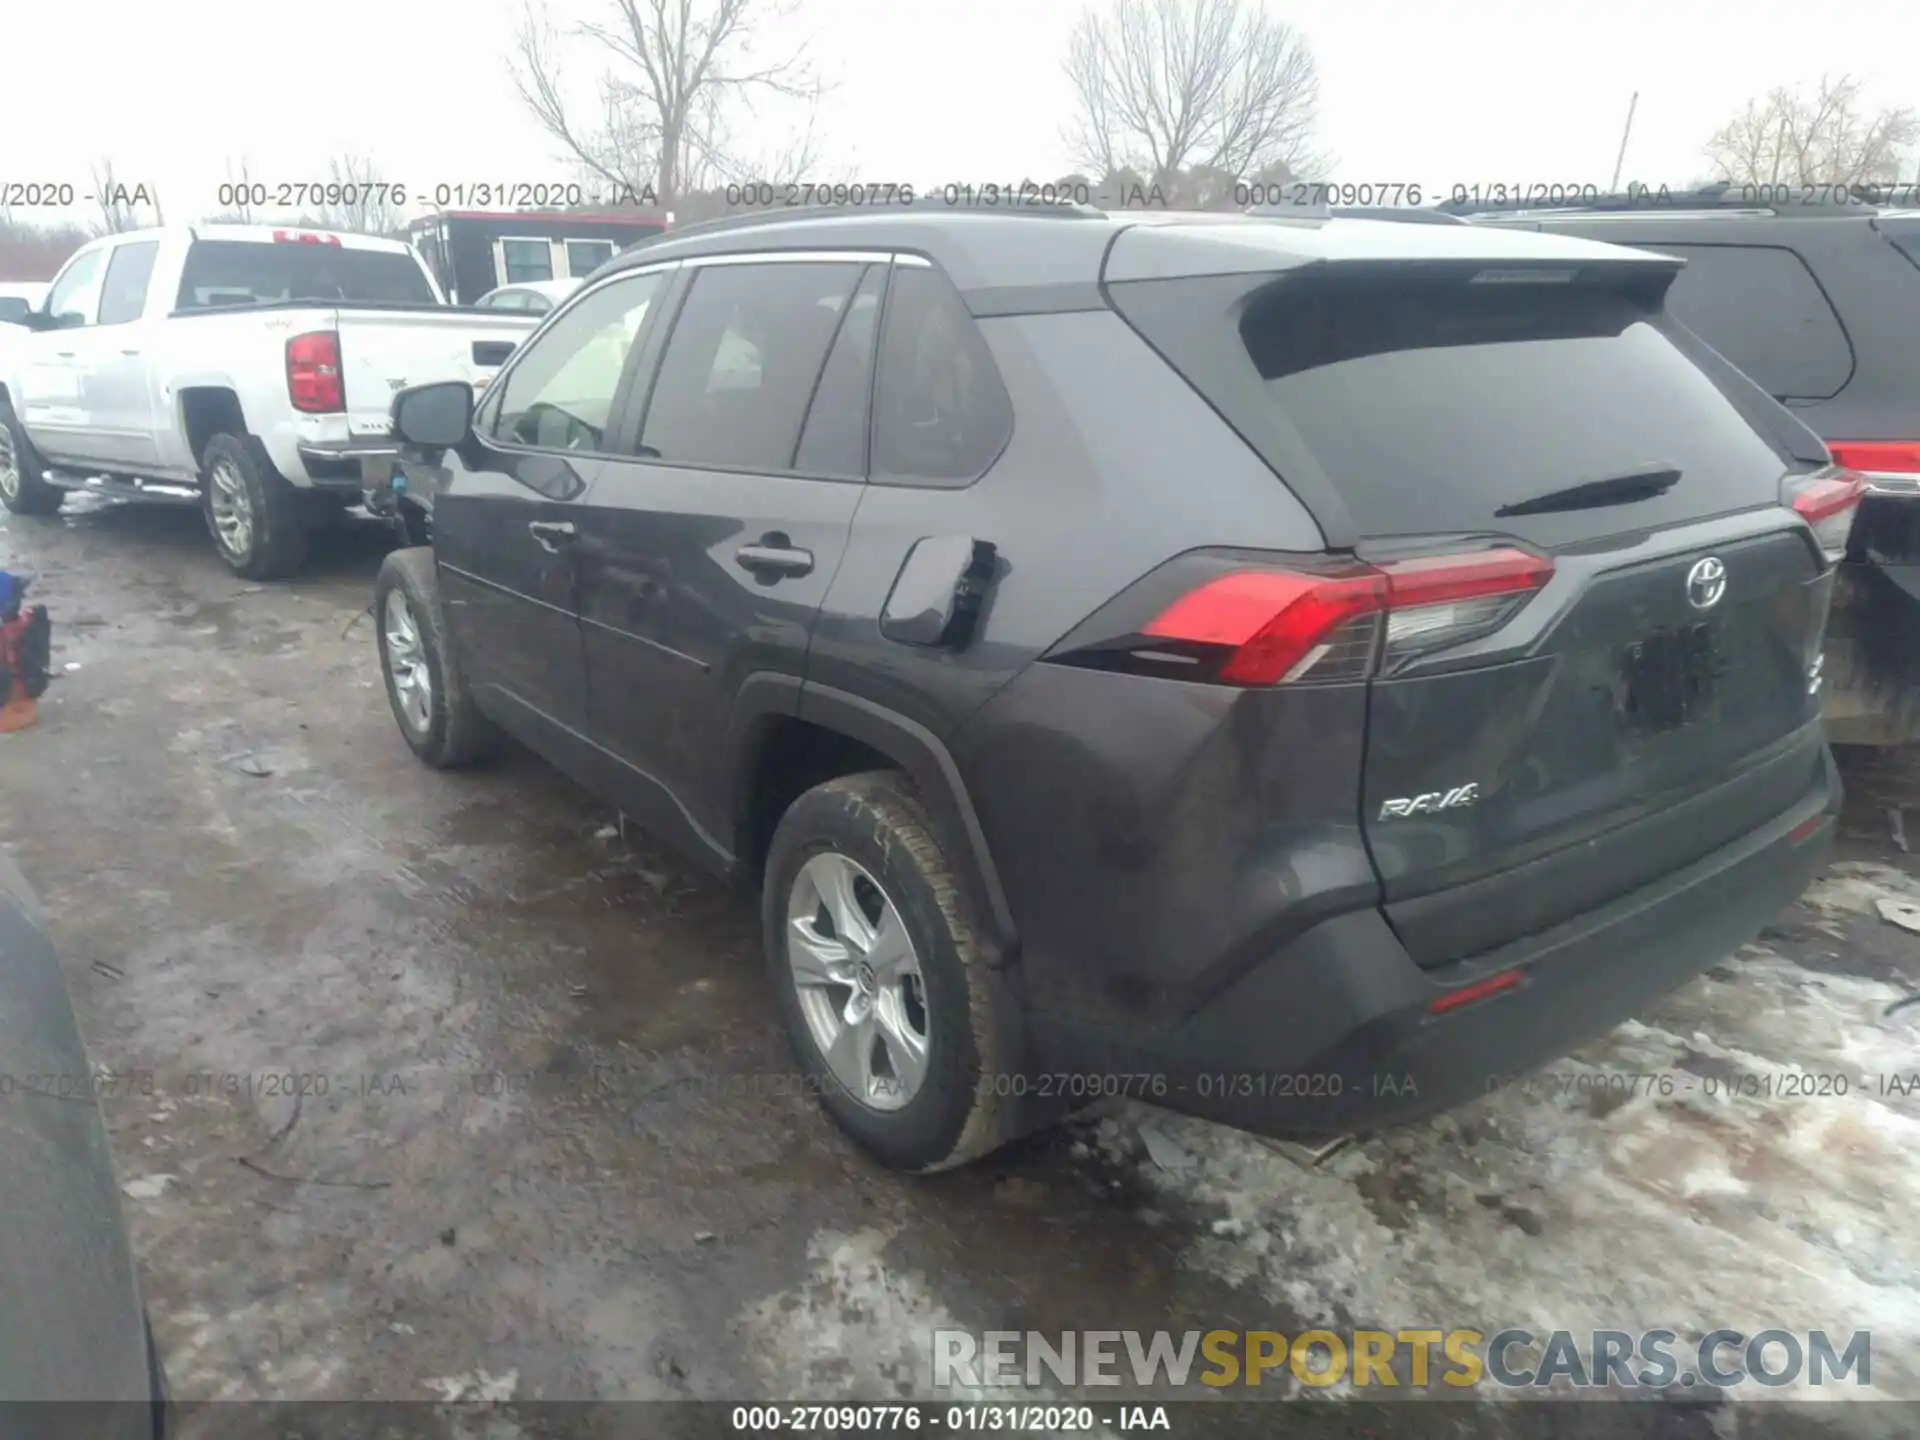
{"x": 1013, "y": 250}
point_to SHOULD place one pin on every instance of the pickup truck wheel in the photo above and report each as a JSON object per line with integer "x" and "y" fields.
{"x": 899, "y": 1023}
{"x": 425, "y": 685}
{"x": 23, "y": 486}
{"x": 253, "y": 514}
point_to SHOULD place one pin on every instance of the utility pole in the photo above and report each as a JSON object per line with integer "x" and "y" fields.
{"x": 1621, "y": 158}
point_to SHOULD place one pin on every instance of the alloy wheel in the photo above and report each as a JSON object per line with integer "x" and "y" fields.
{"x": 407, "y": 663}
{"x": 858, "y": 979}
{"x": 232, "y": 508}
{"x": 9, "y": 465}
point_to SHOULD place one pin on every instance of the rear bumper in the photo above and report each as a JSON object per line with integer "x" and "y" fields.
{"x": 1334, "y": 1034}
{"x": 340, "y": 466}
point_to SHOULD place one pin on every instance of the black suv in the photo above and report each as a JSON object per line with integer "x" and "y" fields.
{"x": 1293, "y": 671}
{"x": 1816, "y": 297}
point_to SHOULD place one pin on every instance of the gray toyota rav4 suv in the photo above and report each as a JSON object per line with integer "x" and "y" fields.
{"x": 1295, "y": 671}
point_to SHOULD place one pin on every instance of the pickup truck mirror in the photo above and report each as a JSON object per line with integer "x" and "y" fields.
{"x": 433, "y": 417}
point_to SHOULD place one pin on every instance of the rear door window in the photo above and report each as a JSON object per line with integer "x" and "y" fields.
{"x": 1433, "y": 404}
{"x": 1760, "y": 306}
{"x": 741, "y": 366}
{"x": 124, "y": 295}
{"x": 834, "y": 441}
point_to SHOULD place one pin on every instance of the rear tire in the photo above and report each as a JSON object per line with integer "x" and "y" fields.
{"x": 437, "y": 718}
{"x": 255, "y": 517}
{"x": 23, "y": 485}
{"x": 872, "y": 831}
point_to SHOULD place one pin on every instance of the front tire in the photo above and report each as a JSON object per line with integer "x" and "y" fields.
{"x": 255, "y": 517}
{"x": 891, "y": 1008}
{"x": 23, "y": 485}
{"x": 425, "y": 684}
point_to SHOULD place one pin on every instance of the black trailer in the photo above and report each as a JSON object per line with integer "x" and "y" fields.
{"x": 473, "y": 251}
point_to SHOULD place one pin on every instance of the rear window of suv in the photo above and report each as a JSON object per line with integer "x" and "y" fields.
{"x": 252, "y": 272}
{"x": 1432, "y": 403}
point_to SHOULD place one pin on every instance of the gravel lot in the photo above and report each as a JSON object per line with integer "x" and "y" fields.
{"x": 560, "y": 1153}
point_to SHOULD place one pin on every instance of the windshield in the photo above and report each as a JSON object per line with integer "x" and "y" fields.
{"x": 251, "y": 272}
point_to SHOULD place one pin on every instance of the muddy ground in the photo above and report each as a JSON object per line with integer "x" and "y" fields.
{"x": 559, "y": 1152}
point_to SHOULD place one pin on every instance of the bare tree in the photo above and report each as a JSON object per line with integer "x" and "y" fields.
{"x": 34, "y": 252}
{"x": 357, "y": 198}
{"x": 119, "y": 203}
{"x": 1830, "y": 136}
{"x": 1166, "y": 86}
{"x": 677, "y": 74}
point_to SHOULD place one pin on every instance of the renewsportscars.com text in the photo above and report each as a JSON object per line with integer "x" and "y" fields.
{"x": 1414, "y": 1358}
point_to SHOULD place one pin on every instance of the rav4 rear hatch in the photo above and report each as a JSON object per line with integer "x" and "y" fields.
{"x": 1593, "y": 655}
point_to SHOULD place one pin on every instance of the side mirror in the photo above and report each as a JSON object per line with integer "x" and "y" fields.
{"x": 434, "y": 417}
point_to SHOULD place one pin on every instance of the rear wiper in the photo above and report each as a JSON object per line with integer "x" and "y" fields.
{"x": 1641, "y": 484}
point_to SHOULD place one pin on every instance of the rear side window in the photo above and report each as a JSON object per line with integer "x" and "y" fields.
{"x": 941, "y": 413}
{"x": 1433, "y": 404}
{"x": 252, "y": 272}
{"x": 124, "y": 294}
{"x": 1761, "y": 308}
{"x": 746, "y": 352}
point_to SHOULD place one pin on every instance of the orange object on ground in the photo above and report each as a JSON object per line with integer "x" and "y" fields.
{"x": 25, "y": 658}
{"x": 20, "y": 711}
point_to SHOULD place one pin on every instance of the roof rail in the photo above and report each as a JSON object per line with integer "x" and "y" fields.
{"x": 921, "y": 204}
{"x": 1764, "y": 199}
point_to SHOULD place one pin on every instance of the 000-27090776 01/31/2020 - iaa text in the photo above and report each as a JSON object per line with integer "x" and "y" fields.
{"x": 561, "y": 195}
{"x": 646, "y": 1077}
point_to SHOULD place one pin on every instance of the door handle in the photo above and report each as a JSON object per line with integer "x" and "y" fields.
{"x": 129, "y": 352}
{"x": 63, "y": 354}
{"x": 547, "y": 532}
{"x": 772, "y": 561}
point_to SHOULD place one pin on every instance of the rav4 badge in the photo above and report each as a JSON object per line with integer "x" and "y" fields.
{"x": 1431, "y": 803}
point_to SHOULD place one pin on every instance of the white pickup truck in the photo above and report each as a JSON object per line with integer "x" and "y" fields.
{"x": 244, "y": 368}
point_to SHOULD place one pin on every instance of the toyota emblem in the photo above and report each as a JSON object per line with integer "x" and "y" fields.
{"x": 1706, "y": 583}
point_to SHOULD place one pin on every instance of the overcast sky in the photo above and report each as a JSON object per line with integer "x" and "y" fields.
{"x": 1475, "y": 91}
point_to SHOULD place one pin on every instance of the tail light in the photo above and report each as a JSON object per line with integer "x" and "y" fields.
{"x": 1827, "y": 502}
{"x": 1322, "y": 623}
{"x": 1888, "y": 466}
{"x": 313, "y": 373}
